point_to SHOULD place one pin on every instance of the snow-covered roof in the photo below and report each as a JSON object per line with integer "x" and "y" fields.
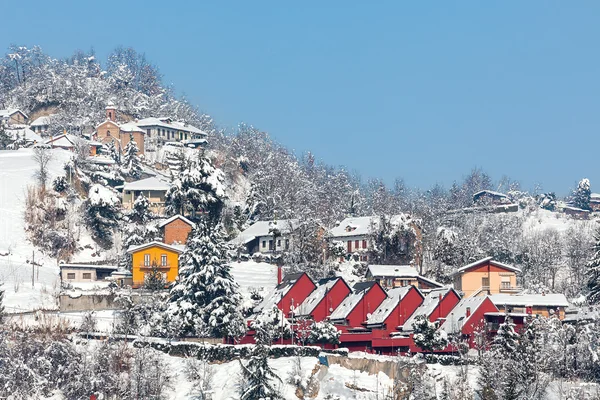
{"x": 394, "y": 296}
{"x": 277, "y": 294}
{"x": 263, "y": 228}
{"x": 309, "y": 304}
{"x": 173, "y": 247}
{"x": 42, "y": 121}
{"x": 30, "y": 136}
{"x": 89, "y": 266}
{"x": 350, "y": 302}
{"x": 491, "y": 193}
{"x": 430, "y": 302}
{"x": 10, "y": 111}
{"x": 164, "y": 122}
{"x": 253, "y": 276}
{"x": 572, "y": 208}
{"x": 151, "y": 183}
{"x": 492, "y": 262}
{"x": 595, "y": 196}
{"x": 456, "y": 320}
{"x": 525, "y": 300}
{"x": 64, "y": 140}
{"x": 130, "y": 127}
{"x": 392, "y": 270}
{"x": 362, "y": 226}
{"x": 173, "y": 218}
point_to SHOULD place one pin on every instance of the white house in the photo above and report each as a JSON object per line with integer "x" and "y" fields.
{"x": 161, "y": 130}
{"x": 267, "y": 236}
{"x": 41, "y": 125}
{"x": 154, "y": 189}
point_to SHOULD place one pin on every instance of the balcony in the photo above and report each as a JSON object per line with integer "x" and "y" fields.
{"x": 144, "y": 267}
{"x": 510, "y": 289}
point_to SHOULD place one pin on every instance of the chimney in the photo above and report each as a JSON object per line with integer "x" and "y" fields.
{"x": 279, "y": 274}
{"x": 111, "y": 112}
{"x": 468, "y": 312}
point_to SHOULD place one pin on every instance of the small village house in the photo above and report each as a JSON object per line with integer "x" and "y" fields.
{"x": 575, "y": 212}
{"x": 266, "y": 237}
{"x": 436, "y": 305}
{"x": 25, "y": 135}
{"x": 161, "y": 130}
{"x": 400, "y": 304}
{"x": 154, "y": 189}
{"x": 353, "y": 311}
{"x": 468, "y": 317}
{"x": 148, "y": 257}
{"x": 13, "y": 116}
{"x": 545, "y": 304}
{"x": 595, "y": 202}
{"x": 41, "y": 125}
{"x": 393, "y": 276}
{"x": 489, "y": 197}
{"x": 85, "y": 272}
{"x": 176, "y": 229}
{"x": 288, "y": 294}
{"x": 69, "y": 142}
{"x": 486, "y": 276}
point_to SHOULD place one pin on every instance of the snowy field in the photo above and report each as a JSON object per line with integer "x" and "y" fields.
{"x": 17, "y": 170}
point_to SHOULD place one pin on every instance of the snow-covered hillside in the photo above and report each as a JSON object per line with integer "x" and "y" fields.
{"x": 17, "y": 170}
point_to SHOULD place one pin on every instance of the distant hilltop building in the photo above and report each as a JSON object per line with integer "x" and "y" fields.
{"x": 13, "y": 116}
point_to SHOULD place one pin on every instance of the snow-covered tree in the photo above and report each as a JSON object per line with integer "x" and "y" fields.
{"x": 111, "y": 150}
{"x": 102, "y": 213}
{"x": 132, "y": 165}
{"x": 141, "y": 210}
{"x": 506, "y": 340}
{"x": 205, "y": 293}
{"x": 581, "y": 196}
{"x": 593, "y": 273}
{"x": 324, "y": 332}
{"x": 427, "y": 336}
{"x": 259, "y": 381}
{"x": 270, "y": 325}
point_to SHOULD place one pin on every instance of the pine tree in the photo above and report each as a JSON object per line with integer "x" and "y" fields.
{"x": 205, "y": 294}
{"x": 141, "y": 209}
{"x": 257, "y": 377}
{"x": 582, "y": 195}
{"x": 593, "y": 273}
{"x": 113, "y": 152}
{"x": 5, "y": 139}
{"x": 427, "y": 336}
{"x": 324, "y": 332}
{"x": 102, "y": 213}
{"x": 506, "y": 340}
{"x": 271, "y": 325}
{"x": 132, "y": 164}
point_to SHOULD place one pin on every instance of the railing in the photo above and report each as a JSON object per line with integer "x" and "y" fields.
{"x": 144, "y": 266}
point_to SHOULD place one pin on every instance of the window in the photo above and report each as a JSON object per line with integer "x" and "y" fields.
{"x": 107, "y": 133}
{"x": 70, "y": 275}
{"x": 264, "y": 244}
{"x": 349, "y": 246}
{"x": 485, "y": 281}
{"x": 505, "y": 282}
{"x": 87, "y": 275}
{"x": 364, "y": 244}
{"x": 270, "y": 245}
{"x": 149, "y": 132}
{"x": 287, "y": 244}
{"x": 163, "y": 260}
{"x": 146, "y": 260}
{"x": 278, "y": 242}
{"x": 356, "y": 244}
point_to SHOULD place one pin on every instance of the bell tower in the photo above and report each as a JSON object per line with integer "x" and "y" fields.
{"x": 111, "y": 112}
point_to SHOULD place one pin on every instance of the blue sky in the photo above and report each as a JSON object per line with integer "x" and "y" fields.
{"x": 420, "y": 90}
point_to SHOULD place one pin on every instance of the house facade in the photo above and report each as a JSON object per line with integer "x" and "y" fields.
{"x": 486, "y": 276}
{"x": 400, "y": 304}
{"x": 489, "y": 197}
{"x": 176, "y": 229}
{"x": 154, "y": 256}
{"x": 266, "y": 237}
{"x": 328, "y": 295}
{"x": 161, "y": 130}
{"x": 85, "y": 272}
{"x": 41, "y": 125}
{"x": 545, "y": 304}
{"x": 13, "y": 116}
{"x": 352, "y": 312}
{"x": 154, "y": 189}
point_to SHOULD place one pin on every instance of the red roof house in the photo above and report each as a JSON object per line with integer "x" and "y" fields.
{"x": 328, "y": 295}
{"x": 399, "y": 305}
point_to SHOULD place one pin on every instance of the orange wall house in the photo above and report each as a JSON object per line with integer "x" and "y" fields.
{"x": 176, "y": 229}
{"x": 486, "y": 276}
{"x": 154, "y": 255}
{"x": 110, "y": 130}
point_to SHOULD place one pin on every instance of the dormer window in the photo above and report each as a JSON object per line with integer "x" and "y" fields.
{"x": 350, "y": 228}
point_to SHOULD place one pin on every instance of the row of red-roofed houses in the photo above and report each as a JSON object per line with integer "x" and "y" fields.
{"x": 377, "y": 320}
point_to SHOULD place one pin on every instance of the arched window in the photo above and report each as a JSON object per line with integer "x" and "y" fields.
{"x": 107, "y": 133}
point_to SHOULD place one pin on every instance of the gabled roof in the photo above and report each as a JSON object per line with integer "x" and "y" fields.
{"x": 30, "y": 136}
{"x": 457, "y": 319}
{"x": 89, "y": 266}
{"x": 167, "y": 123}
{"x": 263, "y": 228}
{"x": 151, "y": 183}
{"x": 394, "y": 297}
{"x": 317, "y": 295}
{"x": 131, "y": 127}
{"x": 173, "y": 218}
{"x": 42, "y": 121}
{"x": 485, "y": 261}
{"x": 10, "y": 111}
{"x": 429, "y": 304}
{"x": 362, "y": 226}
{"x": 64, "y": 140}
{"x": 351, "y": 301}
{"x": 277, "y": 294}
{"x": 392, "y": 270}
{"x": 525, "y": 300}
{"x": 176, "y": 248}
{"x": 491, "y": 193}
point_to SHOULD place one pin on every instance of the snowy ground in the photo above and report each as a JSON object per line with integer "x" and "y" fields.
{"x": 16, "y": 174}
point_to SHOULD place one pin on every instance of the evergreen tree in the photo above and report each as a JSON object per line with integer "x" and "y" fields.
{"x": 141, "y": 209}
{"x": 197, "y": 188}
{"x": 593, "y": 273}
{"x": 324, "y": 332}
{"x": 271, "y": 325}
{"x": 132, "y": 165}
{"x": 5, "y": 139}
{"x": 102, "y": 213}
{"x": 205, "y": 294}
{"x": 113, "y": 152}
{"x": 582, "y": 195}
{"x": 506, "y": 340}
{"x": 257, "y": 377}
{"x": 427, "y": 336}
{"x": 154, "y": 280}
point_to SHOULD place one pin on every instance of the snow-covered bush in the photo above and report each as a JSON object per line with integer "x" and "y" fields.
{"x": 427, "y": 336}
{"x": 324, "y": 332}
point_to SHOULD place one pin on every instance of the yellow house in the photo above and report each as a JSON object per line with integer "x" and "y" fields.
{"x": 154, "y": 255}
{"x": 486, "y": 276}
{"x": 544, "y": 304}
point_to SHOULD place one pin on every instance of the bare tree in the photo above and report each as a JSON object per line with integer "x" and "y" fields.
{"x": 42, "y": 156}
